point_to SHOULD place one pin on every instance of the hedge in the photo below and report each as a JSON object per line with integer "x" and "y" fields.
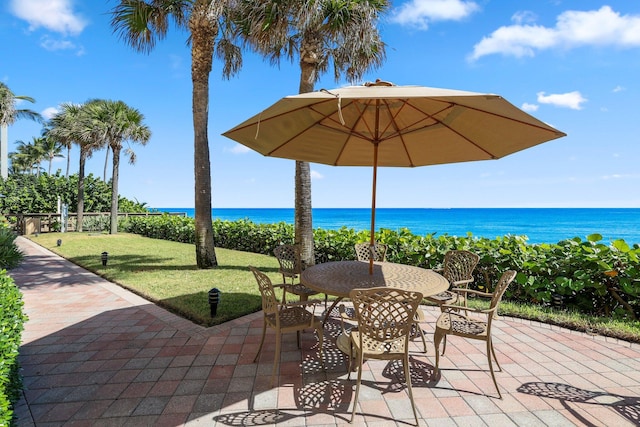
{"x": 590, "y": 276}
{"x": 12, "y": 319}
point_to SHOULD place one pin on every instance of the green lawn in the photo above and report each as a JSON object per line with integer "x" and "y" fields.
{"x": 165, "y": 273}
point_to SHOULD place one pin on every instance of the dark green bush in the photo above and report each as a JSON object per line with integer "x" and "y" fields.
{"x": 24, "y": 193}
{"x": 10, "y": 255}
{"x": 590, "y": 276}
{"x": 12, "y": 319}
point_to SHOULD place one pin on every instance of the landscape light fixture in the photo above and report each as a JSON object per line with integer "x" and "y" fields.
{"x": 59, "y": 242}
{"x": 105, "y": 258}
{"x": 214, "y": 299}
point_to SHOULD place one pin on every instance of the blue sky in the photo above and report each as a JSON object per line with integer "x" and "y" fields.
{"x": 573, "y": 64}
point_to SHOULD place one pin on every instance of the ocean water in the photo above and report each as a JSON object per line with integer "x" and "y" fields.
{"x": 540, "y": 225}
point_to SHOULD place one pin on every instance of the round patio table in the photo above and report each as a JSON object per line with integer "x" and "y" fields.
{"x": 340, "y": 277}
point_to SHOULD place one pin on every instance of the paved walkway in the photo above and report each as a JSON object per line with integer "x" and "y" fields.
{"x": 94, "y": 354}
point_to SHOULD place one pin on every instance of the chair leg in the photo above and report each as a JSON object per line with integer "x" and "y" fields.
{"x": 264, "y": 332}
{"x": 493, "y": 375}
{"x": 276, "y": 356}
{"x": 328, "y": 312}
{"x": 418, "y": 330}
{"x": 351, "y": 359}
{"x": 437, "y": 339}
{"x": 320, "y": 346}
{"x": 493, "y": 352}
{"x": 407, "y": 377}
{"x": 424, "y": 340}
{"x": 355, "y": 398}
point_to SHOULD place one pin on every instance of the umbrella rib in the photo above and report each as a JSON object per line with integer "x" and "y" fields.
{"x": 396, "y": 128}
{"x": 351, "y": 131}
{"x": 454, "y": 104}
{"x": 302, "y": 131}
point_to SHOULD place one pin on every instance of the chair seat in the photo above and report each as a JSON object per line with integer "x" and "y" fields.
{"x": 446, "y": 297}
{"x": 458, "y": 324}
{"x": 378, "y": 349}
{"x": 291, "y": 316}
{"x": 299, "y": 289}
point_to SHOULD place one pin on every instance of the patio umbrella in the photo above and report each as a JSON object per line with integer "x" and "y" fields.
{"x": 381, "y": 124}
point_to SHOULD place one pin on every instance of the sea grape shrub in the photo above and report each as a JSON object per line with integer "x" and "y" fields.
{"x": 599, "y": 278}
{"x": 10, "y": 255}
{"x": 12, "y": 319}
{"x": 166, "y": 227}
{"x": 24, "y": 193}
{"x": 589, "y": 276}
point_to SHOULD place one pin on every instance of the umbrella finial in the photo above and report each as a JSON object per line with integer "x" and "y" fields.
{"x": 379, "y": 82}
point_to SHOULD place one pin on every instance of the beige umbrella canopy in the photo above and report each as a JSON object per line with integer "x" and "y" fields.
{"x": 381, "y": 124}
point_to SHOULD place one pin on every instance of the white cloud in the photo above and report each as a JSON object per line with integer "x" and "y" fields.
{"x": 316, "y": 175}
{"x": 51, "y": 44}
{"x": 573, "y": 100}
{"x": 49, "y": 112}
{"x": 420, "y": 13}
{"x": 615, "y": 176}
{"x": 240, "y": 149}
{"x": 524, "y": 16}
{"x": 619, "y": 89}
{"x": 603, "y": 27}
{"x": 530, "y": 107}
{"x": 54, "y": 15}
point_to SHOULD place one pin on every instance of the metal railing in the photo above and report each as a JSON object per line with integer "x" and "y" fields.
{"x": 31, "y": 223}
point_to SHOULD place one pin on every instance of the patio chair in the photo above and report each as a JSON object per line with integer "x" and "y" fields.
{"x": 363, "y": 251}
{"x": 458, "y": 269}
{"x": 384, "y": 319}
{"x": 283, "y": 318}
{"x": 291, "y": 266}
{"x": 474, "y": 323}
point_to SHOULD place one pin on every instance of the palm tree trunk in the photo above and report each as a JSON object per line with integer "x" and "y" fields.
{"x": 80, "y": 209}
{"x": 303, "y": 214}
{"x": 203, "y": 34}
{"x": 106, "y": 162}
{"x": 68, "y": 159}
{"x": 114, "y": 191}
{"x": 303, "y": 207}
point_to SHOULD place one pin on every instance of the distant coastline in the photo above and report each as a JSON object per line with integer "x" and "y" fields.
{"x": 540, "y": 225}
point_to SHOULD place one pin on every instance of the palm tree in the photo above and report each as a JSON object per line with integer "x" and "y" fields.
{"x": 8, "y": 115}
{"x": 140, "y": 24}
{"x": 51, "y": 148}
{"x": 59, "y": 128}
{"x": 30, "y": 154}
{"x": 73, "y": 126}
{"x": 321, "y": 33}
{"x": 19, "y": 162}
{"x": 115, "y": 123}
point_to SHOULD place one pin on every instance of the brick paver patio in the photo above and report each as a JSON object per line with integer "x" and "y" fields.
{"x": 94, "y": 354}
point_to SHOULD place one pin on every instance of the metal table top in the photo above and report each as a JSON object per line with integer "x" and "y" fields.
{"x": 340, "y": 277}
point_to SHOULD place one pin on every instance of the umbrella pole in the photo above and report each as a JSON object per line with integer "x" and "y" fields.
{"x": 373, "y": 208}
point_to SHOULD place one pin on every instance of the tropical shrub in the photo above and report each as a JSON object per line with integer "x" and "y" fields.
{"x": 10, "y": 254}
{"x": 589, "y": 276}
{"x": 12, "y": 319}
{"x": 24, "y": 193}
